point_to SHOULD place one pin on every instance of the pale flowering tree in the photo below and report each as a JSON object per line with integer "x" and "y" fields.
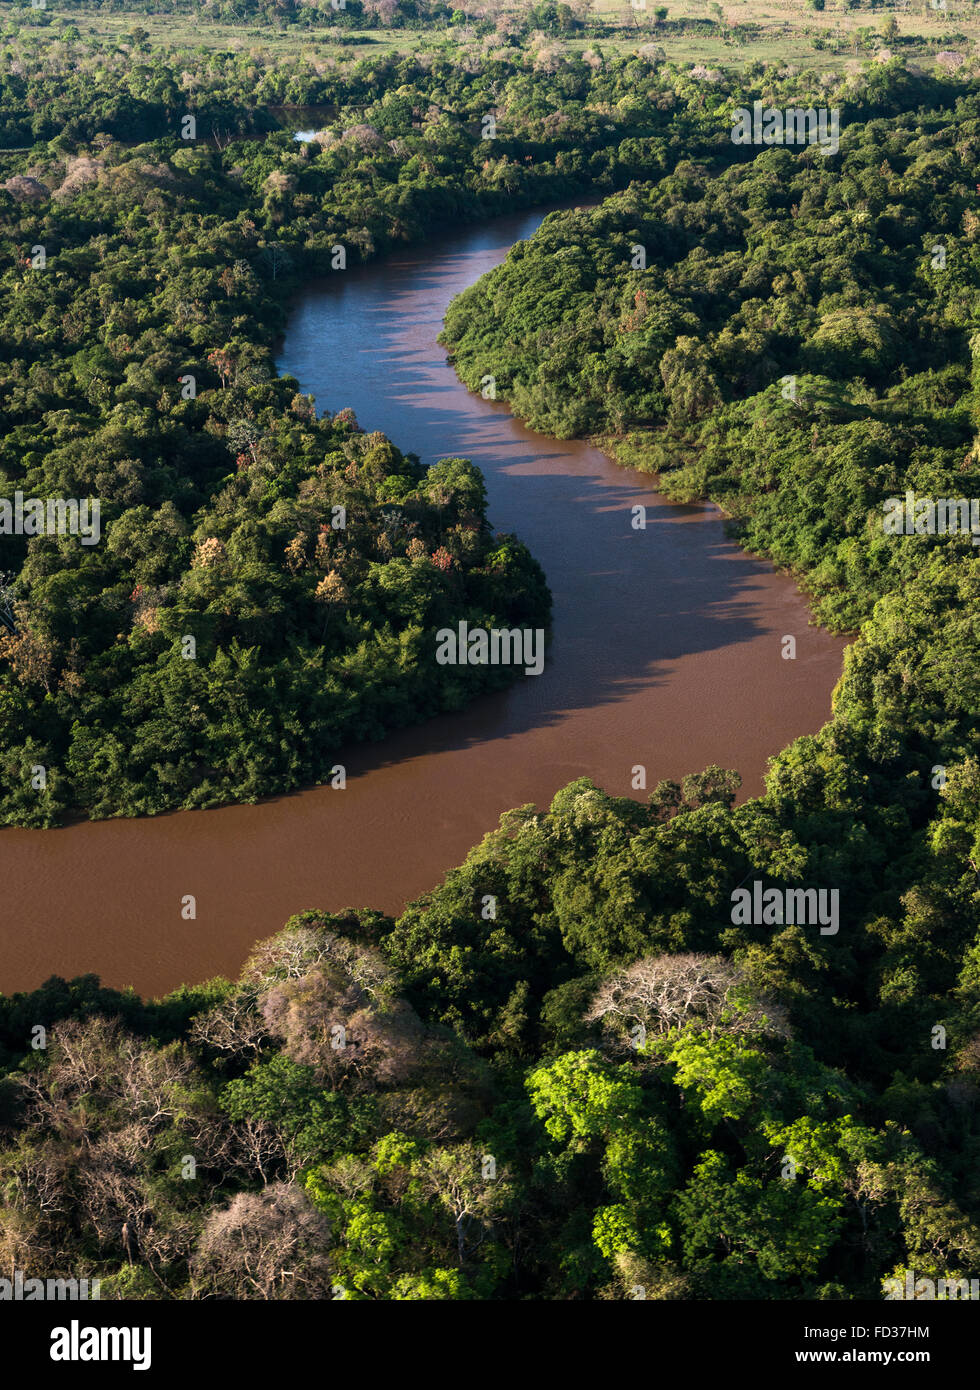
{"x": 295, "y": 553}
{"x": 279, "y": 182}
{"x": 343, "y": 1018}
{"x": 208, "y": 552}
{"x": 332, "y": 589}
{"x": 333, "y": 593}
{"x": 333, "y": 1004}
{"x": 364, "y": 135}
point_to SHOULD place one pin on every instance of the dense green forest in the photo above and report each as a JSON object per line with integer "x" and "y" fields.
{"x": 167, "y": 269}
{"x": 173, "y": 259}
{"x": 791, "y": 338}
{"x": 605, "y": 1086}
{"x": 442, "y": 1107}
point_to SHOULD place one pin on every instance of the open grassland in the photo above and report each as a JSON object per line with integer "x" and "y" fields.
{"x": 746, "y": 31}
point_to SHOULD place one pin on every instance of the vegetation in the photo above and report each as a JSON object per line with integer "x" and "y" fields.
{"x": 791, "y": 337}
{"x": 606, "y": 1086}
{"x": 145, "y": 284}
{"x": 566, "y": 1073}
{"x": 771, "y": 32}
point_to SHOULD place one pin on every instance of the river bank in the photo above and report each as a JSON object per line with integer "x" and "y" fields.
{"x": 666, "y": 655}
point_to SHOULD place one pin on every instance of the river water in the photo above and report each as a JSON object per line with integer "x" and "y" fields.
{"x": 666, "y": 652}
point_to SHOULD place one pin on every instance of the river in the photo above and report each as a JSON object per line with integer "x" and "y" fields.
{"x": 666, "y": 652}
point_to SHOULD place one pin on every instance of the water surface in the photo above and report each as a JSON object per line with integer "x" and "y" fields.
{"x": 666, "y": 652}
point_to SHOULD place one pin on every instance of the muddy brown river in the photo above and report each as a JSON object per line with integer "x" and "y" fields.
{"x": 666, "y": 651}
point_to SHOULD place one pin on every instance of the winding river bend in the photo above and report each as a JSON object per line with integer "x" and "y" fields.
{"x": 666, "y": 651}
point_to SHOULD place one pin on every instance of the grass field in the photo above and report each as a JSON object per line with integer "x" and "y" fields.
{"x": 786, "y": 32}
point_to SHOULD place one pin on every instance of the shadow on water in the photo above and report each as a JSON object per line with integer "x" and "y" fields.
{"x": 665, "y": 652}
{"x": 627, "y": 605}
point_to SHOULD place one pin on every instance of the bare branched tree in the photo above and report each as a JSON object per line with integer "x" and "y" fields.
{"x": 233, "y": 1026}
{"x": 265, "y": 1245}
{"x": 665, "y": 992}
{"x": 7, "y": 601}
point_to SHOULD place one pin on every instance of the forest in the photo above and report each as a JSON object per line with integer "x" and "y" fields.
{"x": 168, "y": 266}
{"x": 607, "y": 1085}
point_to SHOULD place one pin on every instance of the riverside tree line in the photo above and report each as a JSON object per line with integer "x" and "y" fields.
{"x": 608, "y": 1085}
